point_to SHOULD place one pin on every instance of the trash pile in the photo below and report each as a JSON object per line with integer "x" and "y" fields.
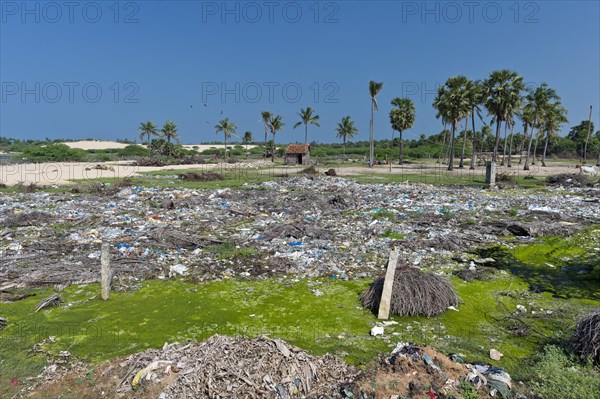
{"x": 302, "y": 226}
{"x": 419, "y": 372}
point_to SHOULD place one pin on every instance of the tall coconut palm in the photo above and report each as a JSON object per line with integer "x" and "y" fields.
{"x": 276, "y": 124}
{"x": 502, "y": 93}
{"x": 554, "y": 116}
{"x": 147, "y": 130}
{"x": 228, "y": 130}
{"x": 402, "y": 117}
{"x": 452, "y": 103}
{"x": 247, "y": 139}
{"x": 306, "y": 117}
{"x": 477, "y": 96}
{"x": 537, "y": 101}
{"x": 266, "y": 119}
{"x": 374, "y": 89}
{"x": 346, "y": 130}
{"x": 169, "y": 132}
{"x": 472, "y": 89}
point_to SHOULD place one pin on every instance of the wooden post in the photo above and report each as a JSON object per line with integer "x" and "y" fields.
{"x": 388, "y": 284}
{"x": 105, "y": 273}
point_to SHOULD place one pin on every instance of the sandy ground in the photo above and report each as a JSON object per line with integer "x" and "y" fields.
{"x": 50, "y": 174}
{"x": 105, "y": 145}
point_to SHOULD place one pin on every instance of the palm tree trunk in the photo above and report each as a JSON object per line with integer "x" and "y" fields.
{"x": 305, "y": 132}
{"x": 443, "y": 145}
{"x": 547, "y": 138}
{"x": 462, "y": 155}
{"x": 598, "y": 161}
{"x": 522, "y": 145}
{"x": 473, "y": 152}
{"x": 400, "y": 144}
{"x": 344, "y": 147}
{"x": 371, "y": 136}
{"x": 535, "y": 148}
{"x": 451, "y": 147}
{"x": 273, "y": 149}
{"x": 504, "y": 146}
{"x": 526, "y": 167}
{"x": 266, "y": 132}
{"x": 512, "y": 129}
{"x": 149, "y": 152}
{"x": 225, "y": 149}
{"x": 497, "y": 142}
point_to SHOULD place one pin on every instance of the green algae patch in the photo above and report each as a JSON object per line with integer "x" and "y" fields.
{"x": 564, "y": 267}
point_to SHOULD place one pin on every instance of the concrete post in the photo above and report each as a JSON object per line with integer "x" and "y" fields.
{"x": 105, "y": 273}
{"x": 490, "y": 174}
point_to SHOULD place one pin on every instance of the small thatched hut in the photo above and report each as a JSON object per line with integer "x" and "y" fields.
{"x": 297, "y": 154}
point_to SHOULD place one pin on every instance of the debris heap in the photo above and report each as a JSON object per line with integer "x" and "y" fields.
{"x": 237, "y": 367}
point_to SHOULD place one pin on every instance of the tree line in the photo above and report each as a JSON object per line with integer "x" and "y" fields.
{"x": 502, "y": 94}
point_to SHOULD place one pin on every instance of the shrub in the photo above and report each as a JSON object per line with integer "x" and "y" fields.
{"x": 54, "y": 152}
{"x": 556, "y": 375}
{"x": 133, "y": 150}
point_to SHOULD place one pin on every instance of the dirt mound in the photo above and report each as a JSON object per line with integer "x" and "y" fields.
{"x": 311, "y": 170}
{"x": 568, "y": 180}
{"x": 23, "y": 219}
{"x": 204, "y": 176}
{"x": 331, "y": 172}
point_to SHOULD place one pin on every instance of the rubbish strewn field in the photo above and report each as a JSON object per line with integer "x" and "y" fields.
{"x": 287, "y": 258}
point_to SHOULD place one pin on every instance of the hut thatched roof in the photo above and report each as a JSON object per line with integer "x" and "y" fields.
{"x": 298, "y": 149}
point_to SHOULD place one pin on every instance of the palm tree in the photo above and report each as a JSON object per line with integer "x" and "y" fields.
{"x": 147, "y": 130}
{"x": 346, "y": 130}
{"x": 306, "y": 117}
{"x": 536, "y": 104}
{"x": 374, "y": 89}
{"x": 452, "y": 103}
{"x": 276, "y": 124}
{"x": 402, "y": 117}
{"x": 228, "y": 129}
{"x": 247, "y": 139}
{"x": 266, "y": 119}
{"x": 555, "y": 115}
{"x": 169, "y": 132}
{"x": 476, "y": 98}
{"x": 502, "y": 95}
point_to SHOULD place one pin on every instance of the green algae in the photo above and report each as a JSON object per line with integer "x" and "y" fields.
{"x": 320, "y": 315}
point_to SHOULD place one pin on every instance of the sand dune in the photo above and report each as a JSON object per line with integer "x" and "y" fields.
{"x": 106, "y": 145}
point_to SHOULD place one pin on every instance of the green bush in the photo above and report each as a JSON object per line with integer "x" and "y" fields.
{"x": 133, "y": 150}
{"x": 54, "y": 152}
{"x": 556, "y": 375}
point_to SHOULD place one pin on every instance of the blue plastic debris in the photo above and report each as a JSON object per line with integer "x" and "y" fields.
{"x": 295, "y": 243}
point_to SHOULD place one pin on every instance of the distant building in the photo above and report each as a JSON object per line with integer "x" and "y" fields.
{"x": 297, "y": 154}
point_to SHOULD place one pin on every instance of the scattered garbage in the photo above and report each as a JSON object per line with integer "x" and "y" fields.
{"x": 495, "y": 354}
{"x": 377, "y": 330}
{"x": 3, "y": 323}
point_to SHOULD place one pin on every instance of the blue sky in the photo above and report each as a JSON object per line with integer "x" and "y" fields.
{"x": 97, "y": 69}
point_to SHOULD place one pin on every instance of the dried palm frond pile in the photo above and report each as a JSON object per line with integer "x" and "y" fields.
{"x": 586, "y": 339}
{"x": 237, "y": 367}
{"x": 413, "y": 293}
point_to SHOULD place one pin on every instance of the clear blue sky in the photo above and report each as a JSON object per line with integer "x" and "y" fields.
{"x": 172, "y": 61}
